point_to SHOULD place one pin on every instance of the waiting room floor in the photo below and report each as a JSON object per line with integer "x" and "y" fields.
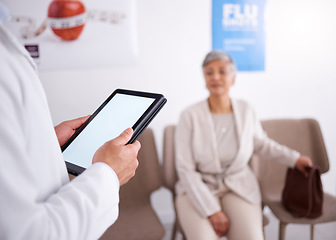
{"x": 326, "y": 231}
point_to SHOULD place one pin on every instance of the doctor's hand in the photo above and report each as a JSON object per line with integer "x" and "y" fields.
{"x": 65, "y": 129}
{"x": 220, "y": 223}
{"x": 120, "y": 157}
{"x": 303, "y": 163}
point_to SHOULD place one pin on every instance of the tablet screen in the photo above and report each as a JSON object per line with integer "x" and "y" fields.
{"x": 121, "y": 112}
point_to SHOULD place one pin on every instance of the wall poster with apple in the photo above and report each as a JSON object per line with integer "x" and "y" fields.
{"x": 75, "y": 34}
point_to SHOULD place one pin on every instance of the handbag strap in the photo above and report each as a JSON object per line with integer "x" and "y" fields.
{"x": 310, "y": 190}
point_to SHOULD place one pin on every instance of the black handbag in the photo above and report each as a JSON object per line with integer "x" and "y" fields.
{"x": 303, "y": 195}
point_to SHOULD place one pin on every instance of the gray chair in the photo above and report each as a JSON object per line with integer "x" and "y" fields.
{"x": 303, "y": 135}
{"x": 170, "y": 176}
{"x": 137, "y": 219}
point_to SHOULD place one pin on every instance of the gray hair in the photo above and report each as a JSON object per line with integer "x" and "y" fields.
{"x": 219, "y": 55}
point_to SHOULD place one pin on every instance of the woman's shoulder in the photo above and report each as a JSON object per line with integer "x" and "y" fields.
{"x": 195, "y": 107}
{"x": 195, "y": 111}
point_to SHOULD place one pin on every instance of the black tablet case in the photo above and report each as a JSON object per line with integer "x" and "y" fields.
{"x": 138, "y": 127}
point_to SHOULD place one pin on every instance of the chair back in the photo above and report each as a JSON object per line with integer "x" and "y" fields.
{"x": 169, "y": 171}
{"x": 303, "y": 135}
{"x": 137, "y": 219}
{"x": 147, "y": 178}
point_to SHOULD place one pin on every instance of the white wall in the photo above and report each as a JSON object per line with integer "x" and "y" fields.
{"x": 174, "y": 36}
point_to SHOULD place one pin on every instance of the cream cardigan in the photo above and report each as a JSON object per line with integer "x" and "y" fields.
{"x": 198, "y": 165}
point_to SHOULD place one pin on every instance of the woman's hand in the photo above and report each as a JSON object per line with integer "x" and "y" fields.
{"x": 65, "y": 129}
{"x": 303, "y": 164}
{"x": 220, "y": 223}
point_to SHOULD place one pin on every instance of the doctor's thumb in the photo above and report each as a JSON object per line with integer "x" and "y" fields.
{"x": 124, "y": 137}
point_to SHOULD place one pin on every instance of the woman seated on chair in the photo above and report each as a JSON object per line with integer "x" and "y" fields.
{"x": 218, "y": 194}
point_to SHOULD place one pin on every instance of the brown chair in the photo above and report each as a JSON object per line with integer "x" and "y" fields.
{"x": 169, "y": 172}
{"x": 137, "y": 219}
{"x": 303, "y": 135}
{"x": 170, "y": 175}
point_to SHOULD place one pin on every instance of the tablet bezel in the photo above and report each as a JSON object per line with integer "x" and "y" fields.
{"x": 138, "y": 127}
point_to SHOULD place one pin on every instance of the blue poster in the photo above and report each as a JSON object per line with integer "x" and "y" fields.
{"x": 238, "y": 29}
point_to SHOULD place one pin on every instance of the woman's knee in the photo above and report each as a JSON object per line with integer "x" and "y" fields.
{"x": 194, "y": 226}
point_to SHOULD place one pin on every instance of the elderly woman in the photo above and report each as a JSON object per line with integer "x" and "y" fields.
{"x": 217, "y": 193}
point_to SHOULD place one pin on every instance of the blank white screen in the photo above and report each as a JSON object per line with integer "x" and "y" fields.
{"x": 122, "y": 112}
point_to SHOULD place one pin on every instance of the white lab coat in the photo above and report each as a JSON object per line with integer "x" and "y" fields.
{"x": 37, "y": 201}
{"x": 197, "y": 158}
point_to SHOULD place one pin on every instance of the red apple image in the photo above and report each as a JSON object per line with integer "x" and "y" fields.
{"x": 67, "y": 18}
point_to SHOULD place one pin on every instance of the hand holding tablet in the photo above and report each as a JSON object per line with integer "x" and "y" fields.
{"x": 121, "y": 157}
{"x": 121, "y": 110}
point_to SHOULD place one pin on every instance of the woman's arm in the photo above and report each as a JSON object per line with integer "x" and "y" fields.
{"x": 191, "y": 180}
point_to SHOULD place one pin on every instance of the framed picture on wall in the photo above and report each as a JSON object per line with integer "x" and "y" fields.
{"x": 238, "y": 28}
{"x": 75, "y": 34}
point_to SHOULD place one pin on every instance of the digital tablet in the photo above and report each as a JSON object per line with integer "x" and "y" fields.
{"x": 121, "y": 110}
